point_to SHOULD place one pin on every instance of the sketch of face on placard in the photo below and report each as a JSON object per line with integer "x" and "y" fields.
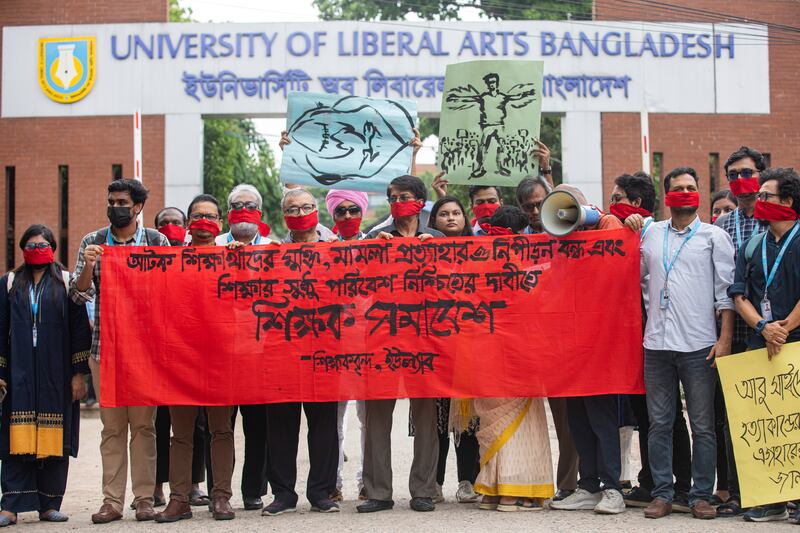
{"x": 349, "y": 139}
{"x": 498, "y": 146}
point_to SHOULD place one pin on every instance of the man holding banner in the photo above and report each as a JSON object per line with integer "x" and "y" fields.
{"x": 686, "y": 269}
{"x": 766, "y": 286}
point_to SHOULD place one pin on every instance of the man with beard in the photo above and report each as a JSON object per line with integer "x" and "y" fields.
{"x": 531, "y": 192}
{"x": 126, "y": 198}
{"x": 686, "y": 269}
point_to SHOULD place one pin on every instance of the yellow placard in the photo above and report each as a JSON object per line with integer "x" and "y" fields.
{"x": 763, "y": 402}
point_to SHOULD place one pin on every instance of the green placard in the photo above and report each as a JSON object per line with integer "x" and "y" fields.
{"x": 491, "y": 112}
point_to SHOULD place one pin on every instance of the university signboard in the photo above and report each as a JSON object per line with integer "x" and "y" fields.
{"x": 249, "y": 69}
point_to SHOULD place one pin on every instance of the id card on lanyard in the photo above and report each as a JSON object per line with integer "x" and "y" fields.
{"x": 669, "y": 265}
{"x": 766, "y": 307}
{"x": 35, "y": 299}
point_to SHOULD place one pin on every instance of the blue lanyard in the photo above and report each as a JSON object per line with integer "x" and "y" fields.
{"x": 256, "y": 241}
{"x": 137, "y": 240}
{"x": 35, "y": 300}
{"x": 644, "y": 229}
{"x": 669, "y": 264}
{"x": 738, "y": 229}
{"x": 777, "y": 259}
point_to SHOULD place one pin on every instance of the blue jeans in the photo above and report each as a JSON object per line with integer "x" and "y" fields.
{"x": 662, "y": 370}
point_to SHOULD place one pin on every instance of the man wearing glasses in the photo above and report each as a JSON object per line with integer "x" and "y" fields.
{"x": 301, "y": 217}
{"x": 244, "y": 217}
{"x": 531, "y": 192}
{"x": 742, "y": 169}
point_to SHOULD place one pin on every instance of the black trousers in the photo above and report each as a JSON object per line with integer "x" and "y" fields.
{"x": 467, "y": 457}
{"x": 594, "y": 426}
{"x": 733, "y": 475}
{"x": 719, "y": 428}
{"x": 33, "y": 485}
{"x": 323, "y": 449}
{"x": 163, "y": 426}
{"x": 681, "y": 447}
{"x": 254, "y": 470}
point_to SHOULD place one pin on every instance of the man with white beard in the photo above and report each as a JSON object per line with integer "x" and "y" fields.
{"x": 244, "y": 221}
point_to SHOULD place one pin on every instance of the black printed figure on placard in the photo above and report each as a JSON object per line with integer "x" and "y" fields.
{"x": 512, "y": 149}
{"x": 349, "y": 139}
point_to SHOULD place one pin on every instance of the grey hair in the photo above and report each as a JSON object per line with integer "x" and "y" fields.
{"x": 244, "y": 187}
{"x": 294, "y": 192}
{"x": 528, "y": 184}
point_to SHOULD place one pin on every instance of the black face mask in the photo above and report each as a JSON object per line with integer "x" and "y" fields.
{"x": 119, "y": 217}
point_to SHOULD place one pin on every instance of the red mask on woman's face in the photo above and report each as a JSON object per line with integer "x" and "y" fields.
{"x": 411, "y": 208}
{"x": 682, "y": 199}
{"x": 347, "y": 227}
{"x": 773, "y": 212}
{"x": 623, "y": 211}
{"x": 303, "y": 222}
{"x": 205, "y": 225}
{"x": 744, "y": 186}
{"x": 245, "y": 215}
{"x": 38, "y": 256}
{"x": 173, "y": 232}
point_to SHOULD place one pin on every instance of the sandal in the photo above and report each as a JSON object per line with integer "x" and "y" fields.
{"x": 6, "y": 521}
{"x": 715, "y": 501}
{"x": 522, "y": 504}
{"x": 729, "y": 509}
{"x": 53, "y": 516}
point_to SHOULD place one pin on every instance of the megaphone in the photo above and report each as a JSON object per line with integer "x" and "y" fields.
{"x": 562, "y": 213}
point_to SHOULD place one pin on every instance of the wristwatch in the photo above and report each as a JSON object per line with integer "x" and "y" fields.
{"x": 760, "y": 326}
{"x": 546, "y": 170}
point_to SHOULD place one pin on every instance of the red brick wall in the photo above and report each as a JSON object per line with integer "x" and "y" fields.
{"x": 687, "y": 139}
{"x": 88, "y": 145}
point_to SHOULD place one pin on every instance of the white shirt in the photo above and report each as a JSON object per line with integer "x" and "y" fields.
{"x": 698, "y": 285}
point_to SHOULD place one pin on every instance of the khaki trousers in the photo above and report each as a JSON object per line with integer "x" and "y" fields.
{"x": 378, "y": 449}
{"x": 182, "y": 445}
{"x": 114, "y": 449}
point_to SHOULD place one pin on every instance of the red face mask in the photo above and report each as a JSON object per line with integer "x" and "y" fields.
{"x": 254, "y": 217}
{"x": 714, "y": 218}
{"x": 772, "y": 212}
{"x": 173, "y": 232}
{"x": 623, "y": 211}
{"x": 38, "y": 256}
{"x": 347, "y": 227}
{"x": 682, "y": 199}
{"x": 410, "y": 208}
{"x": 484, "y": 210}
{"x": 205, "y": 225}
{"x": 498, "y": 230}
{"x": 303, "y": 222}
{"x": 743, "y": 186}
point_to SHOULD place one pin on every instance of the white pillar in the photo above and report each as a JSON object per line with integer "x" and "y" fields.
{"x": 582, "y": 153}
{"x": 183, "y": 159}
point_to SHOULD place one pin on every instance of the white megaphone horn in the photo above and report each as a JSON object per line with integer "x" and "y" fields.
{"x": 562, "y": 213}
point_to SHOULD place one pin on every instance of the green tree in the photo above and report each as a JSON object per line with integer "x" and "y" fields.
{"x": 178, "y": 13}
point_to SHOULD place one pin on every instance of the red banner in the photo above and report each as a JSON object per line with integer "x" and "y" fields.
{"x": 521, "y": 316}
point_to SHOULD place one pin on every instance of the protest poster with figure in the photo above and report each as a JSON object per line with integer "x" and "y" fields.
{"x": 762, "y": 397}
{"x": 491, "y": 111}
{"x": 347, "y": 142}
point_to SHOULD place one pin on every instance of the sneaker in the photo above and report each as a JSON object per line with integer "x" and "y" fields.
{"x": 580, "y": 500}
{"x": 325, "y": 506}
{"x": 680, "y": 503}
{"x": 466, "y": 493}
{"x": 439, "y": 498}
{"x": 611, "y": 503}
{"x": 277, "y": 507}
{"x": 637, "y": 497}
{"x": 767, "y": 513}
{"x": 562, "y": 494}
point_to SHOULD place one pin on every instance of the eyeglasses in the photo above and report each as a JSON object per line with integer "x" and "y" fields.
{"x": 733, "y": 175}
{"x": 250, "y": 206}
{"x": 37, "y": 245}
{"x": 296, "y": 210}
{"x": 530, "y": 206}
{"x": 764, "y": 196}
{"x": 342, "y": 211}
{"x": 401, "y": 198}
{"x": 199, "y": 216}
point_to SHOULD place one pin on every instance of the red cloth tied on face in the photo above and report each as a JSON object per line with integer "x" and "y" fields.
{"x": 410, "y": 208}
{"x": 497, "y": 230}
{"x": 347, "y": 227}
{"x": 173, "y": 232}
{"x": 302, "y": 222}
{"x": 484, "y": 210}
{"x": 245, "y": 215}
{"x": 714, "y": 218}
{"x": 38, "y": 256}
{"x": 205, "y": 225}
{"x": 771, "y": 212}
{"x": 623, "y": 211}
{"x": 743, "y": 186}
{"x": 682, "y": 199}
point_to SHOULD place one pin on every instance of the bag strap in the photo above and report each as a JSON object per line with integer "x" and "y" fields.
{"x": 10, "y": 282}
{"x": 752, "y": 244}
{"x": 64, "y": 278}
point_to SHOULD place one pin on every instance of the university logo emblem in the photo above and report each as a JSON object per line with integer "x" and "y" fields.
{"x": 67, "y": 67}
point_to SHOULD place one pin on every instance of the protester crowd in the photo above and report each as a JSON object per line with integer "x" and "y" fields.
{"x": 708, "y": 290}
